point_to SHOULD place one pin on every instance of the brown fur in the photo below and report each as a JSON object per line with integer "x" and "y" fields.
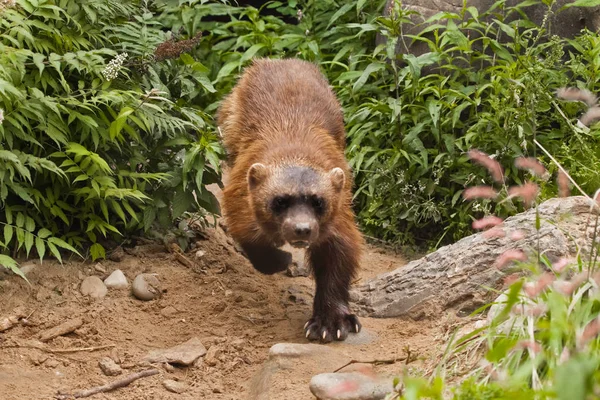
{"x": 282, "y": 113}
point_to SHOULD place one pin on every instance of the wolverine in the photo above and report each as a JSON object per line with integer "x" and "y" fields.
{"x": 289, "y": 182}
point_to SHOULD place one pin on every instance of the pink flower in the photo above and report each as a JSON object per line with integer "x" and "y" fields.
{"x": 529, "y": 344}
{"x": 479, "y": 192}
{"x": 590, "y": 331}
{"x": 493, "y": 166}
{"x": 509, "y": 256}
{"x": 486, "y": 222}
{"x": 531, "y": 164}
{"x": 528, "y": 192}
{"x": 495, "y": 232}
{"x": 560, "y": 265}
{"x": 533, "y": 289}
{"x": 562, "y": 182}
{"x": 575, "y": 94}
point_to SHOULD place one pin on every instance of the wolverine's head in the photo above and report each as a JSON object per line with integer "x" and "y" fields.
{"x": 294, "y": 202}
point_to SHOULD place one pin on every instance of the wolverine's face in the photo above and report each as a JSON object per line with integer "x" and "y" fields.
{"x": 294, "y": 202}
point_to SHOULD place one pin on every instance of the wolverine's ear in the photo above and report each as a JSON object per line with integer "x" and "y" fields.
{"x": 256, "y": 175}
{"x": 338, "y": 178}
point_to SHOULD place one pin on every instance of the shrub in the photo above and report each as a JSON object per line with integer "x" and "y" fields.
{"x": 101, "y": 134}
{"x": 543, "y": 339}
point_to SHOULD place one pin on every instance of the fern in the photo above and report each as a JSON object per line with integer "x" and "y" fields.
{"x": 89, "y": 139}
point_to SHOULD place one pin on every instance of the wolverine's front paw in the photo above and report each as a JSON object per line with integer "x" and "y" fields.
{"x": 331, "y": 327}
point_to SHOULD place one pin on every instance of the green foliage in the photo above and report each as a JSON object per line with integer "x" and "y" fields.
{"x": 483, "y": 83}
{"x": 94, "y": 131}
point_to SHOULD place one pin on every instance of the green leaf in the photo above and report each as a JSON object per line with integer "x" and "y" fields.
{"x": 44, "y": 233}
{"x": 581, "y": 3}
{"x": 38, "y": 60}
{"x": 55, "y": 252}
{"x": 8, "y": 234}
{"x": 97, "y": 251}
{"x": 8, "y": 263}
{"x": 29, "y": 239}
{"x": 61, "y": 243}
{"x": 373, "y": 67}
{"x": 40, "y": 247}
{"x": 117, "y": 125}
{"x": 182, "y": 202}
{"x": 29, "y": 224}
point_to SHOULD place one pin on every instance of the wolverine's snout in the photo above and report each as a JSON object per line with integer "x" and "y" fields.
{"x": 300, "y": 230}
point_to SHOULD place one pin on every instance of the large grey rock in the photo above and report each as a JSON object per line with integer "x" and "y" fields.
{"x": 566, "y": 23}
{"x": 458, "y": 276}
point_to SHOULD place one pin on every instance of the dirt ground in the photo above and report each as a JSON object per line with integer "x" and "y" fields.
{"x": 220, "y": 299}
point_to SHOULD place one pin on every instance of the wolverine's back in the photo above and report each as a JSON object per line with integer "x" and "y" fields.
{"x": 278, "y": 100}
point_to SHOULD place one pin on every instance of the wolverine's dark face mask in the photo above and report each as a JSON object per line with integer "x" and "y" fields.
{"x": 294, "y": 201}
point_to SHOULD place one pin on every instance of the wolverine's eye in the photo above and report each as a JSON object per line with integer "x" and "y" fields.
{"x": 280, "y": 203}
{"x": 318, "y": 204}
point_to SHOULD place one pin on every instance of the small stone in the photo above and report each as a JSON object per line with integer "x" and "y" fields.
{"x": 109, "y": 367}
{"x": 168, "y": 311}
{"x": 185, "y": 353}
{"x": 51, "y": 363}
{"x": 116, "y": 280}
{"x": 169, "y": 368}
{"x": 94, "y": 287}
{"x": 174, "y": 386}
{"x": 27, "y": 269}
{"x": 212, "y": 356}
{"x": 146, "y": 287}
{"x": 297, "y": 349}
{"x": 218, "y": 388}
{"x": 200, "y": 253}
{"x": 117, "y": 254}
{"x": 238, "y": 344}
{"x": 349, "y": 386}
{"x": 100, "y": 268}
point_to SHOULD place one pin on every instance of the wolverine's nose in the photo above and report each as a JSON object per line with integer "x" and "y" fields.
{"x": 302, "y": 229}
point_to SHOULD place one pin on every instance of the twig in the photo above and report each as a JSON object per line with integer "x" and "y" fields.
{"x": 57, "y": 351}
{"x": 374, "y": 362}
{"x": 108, "y": 387}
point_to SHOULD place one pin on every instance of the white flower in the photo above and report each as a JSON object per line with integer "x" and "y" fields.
{"x": 1, "y": 116}
{"x": 112, "y": 69}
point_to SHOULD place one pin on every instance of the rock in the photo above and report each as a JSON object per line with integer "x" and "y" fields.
{"x": 51, "y": 363}
{"x": 116, "y": 280}
{"x": 199, "y": 254}
{"x": 273, "y": 380}
{"x": 297, "y": 267}
{"x": 183, "y": 354}
{"x": 218, "y": 388}
{"x": 212, "y": 356}
{"x": 94, "y": 287}
{"x": 146, "y": 287}
{"x": 168, "y": 311}
{"x": 27, "y": 269}
{"x": 117, "y": 254}
{"x": 296, "y": 350}
{"x": 174, "y": 386}
{"x": 109, "y": 367}
{"x": 566, "y": 23}
{"x": 100, "y": 268}
{"x": 457, "y": 276}
{"x": 349, "y": 386}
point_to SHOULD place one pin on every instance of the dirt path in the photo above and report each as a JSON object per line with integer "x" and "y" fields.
{"x": 221, "y": 300}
